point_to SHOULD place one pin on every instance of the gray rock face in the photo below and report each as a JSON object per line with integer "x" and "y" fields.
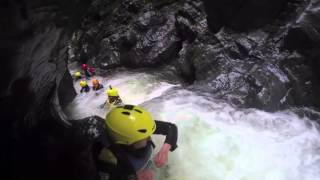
{"x": 249, "y": 69}
{"x": 303, "y": 35}
{"x": 137, "y": 34}
{"x": 185, "y": 65}
{"x": 155, "y": 46}
{"x": 35, "y": 59}
{"x": 262, "y": 54}
{"x": 233, "y": 67}
{"x": 242, "y": 15}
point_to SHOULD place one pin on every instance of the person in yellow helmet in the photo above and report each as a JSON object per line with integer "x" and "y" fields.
{"x": 113, "y": 98}
{"x": 96, "y": 84}
{"x": 84, "y": 86}
{"x": 125, "y": 150}
{"x": 77, "y": 75}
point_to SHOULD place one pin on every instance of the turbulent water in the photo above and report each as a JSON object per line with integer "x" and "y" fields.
{"x": 216, "y": 141}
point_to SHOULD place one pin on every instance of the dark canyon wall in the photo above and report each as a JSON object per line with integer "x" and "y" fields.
{"x": 262, "y": 54}
{"x": 258, "y": 54}
{"x": 37, "y": 142}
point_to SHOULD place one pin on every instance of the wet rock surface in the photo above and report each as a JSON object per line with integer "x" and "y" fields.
{"x": 261, "y": 54}
{"x": 234, "y": 50}
{"x": 36, "y": 140}
{"x": 249, "y": 70}
{"x": 242, "y": 15}
{"x": 303, "y": 35}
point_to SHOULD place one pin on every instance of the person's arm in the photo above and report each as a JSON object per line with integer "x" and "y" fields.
{"x": 170, "y": 131}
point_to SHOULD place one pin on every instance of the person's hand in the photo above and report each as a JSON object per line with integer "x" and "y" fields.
{"x": 145, "y": 174}
{"x": 162, "y": 156}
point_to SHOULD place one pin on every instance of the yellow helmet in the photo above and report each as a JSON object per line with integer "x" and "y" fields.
{"x": 112, "y": 91}
{"x": 77, "y": 74}
{"x": 128, "y": 124}
{"x": 83, "y": 83}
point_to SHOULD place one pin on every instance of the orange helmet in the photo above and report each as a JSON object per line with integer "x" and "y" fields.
{"x": 95, "y": 82}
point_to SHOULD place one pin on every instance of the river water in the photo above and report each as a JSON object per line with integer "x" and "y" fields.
{"x": 216, "y": 140}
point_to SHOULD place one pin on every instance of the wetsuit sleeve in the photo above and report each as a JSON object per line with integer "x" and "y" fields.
{"x": 170, "y": 131}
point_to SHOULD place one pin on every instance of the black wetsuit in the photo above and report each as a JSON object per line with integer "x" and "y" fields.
{"x": 87, "y": 73}
{"x": 115, "y": 100}
{"x": 124, "y": 170}
{"x": 85, "y": 89}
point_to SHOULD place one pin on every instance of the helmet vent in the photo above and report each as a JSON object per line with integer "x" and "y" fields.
{"x": 126, "y": 113}
{"x": 138, "y": 111}
{"x": 129, "y": 107}
{"x": 142, "y": 130}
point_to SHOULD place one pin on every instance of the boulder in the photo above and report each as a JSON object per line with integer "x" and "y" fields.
{"x": 304, "y": 32}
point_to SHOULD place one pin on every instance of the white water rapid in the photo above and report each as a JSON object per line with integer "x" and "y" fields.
{"x": 216, "y": 141}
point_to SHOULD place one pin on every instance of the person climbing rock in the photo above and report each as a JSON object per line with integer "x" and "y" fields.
{"x": 77, "y": 75}
{"x": 96, "y": 84}
{"x": 84, "y": 86}
{"x": 124, "y": 151}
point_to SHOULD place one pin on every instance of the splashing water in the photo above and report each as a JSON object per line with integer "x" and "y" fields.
{"x": 216, "y": 141}
{"x": 134, "y": 88}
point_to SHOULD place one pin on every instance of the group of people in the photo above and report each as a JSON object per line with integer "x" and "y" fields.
{"x": 96, "y": 85}
{"x": 113, "y": 95}
{"x": 125, "y": 150}
{"x": 88, "y": 73}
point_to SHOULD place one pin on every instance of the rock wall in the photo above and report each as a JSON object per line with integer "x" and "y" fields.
{"x": 242, "y": 15}
{"x": 240, "y": 51}
{"x": 262, "y": 54}
{"x": 37, "y": 141}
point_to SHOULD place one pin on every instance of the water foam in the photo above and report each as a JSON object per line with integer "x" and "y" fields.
{"x": 217, "y": 141}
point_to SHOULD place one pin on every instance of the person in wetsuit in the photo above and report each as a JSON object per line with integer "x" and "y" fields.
{"x": 96, "y": 85}
{"x": 124, "y": 151}
{"x": 84, "y": 86}
{"x": 77, "y": 75}
{"x": 113, "y": 98}
{"x": 87, "y": 71}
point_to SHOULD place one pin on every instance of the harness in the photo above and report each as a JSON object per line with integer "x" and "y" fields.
{"x": 137, "y": 159}
{"x": 141, "y": 159}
